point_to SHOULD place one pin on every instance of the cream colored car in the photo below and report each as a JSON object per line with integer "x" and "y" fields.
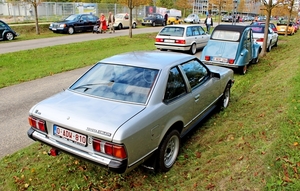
{"x": 122, "y": 21}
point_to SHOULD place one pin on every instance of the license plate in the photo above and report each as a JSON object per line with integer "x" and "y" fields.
{"x": 218, "y": 59}
{"x": 170, "y": 41}
{"x": 69, "y": 135}
{"x": 54, "y": 29}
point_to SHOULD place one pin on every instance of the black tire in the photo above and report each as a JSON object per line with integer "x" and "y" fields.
{"x": 153, "y": 24}
{"x": 276, "y": 43}
{"x": 163, "y": 24}
{"x": 193, "y": 49}
{"x": 224, "y": 100}
{"x": 168, "y": 151}
{"x": 71, "y": 30}
{"x": 243, "y": 69}
{"x": 269, "y": 47}
{"x": 120, "y": 26}
{"x": 133, "y": 25}
{"x": 9, "y": 36}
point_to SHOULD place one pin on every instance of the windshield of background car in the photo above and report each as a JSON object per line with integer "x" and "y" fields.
{"x": 119, "y": 16}
{"x": 226, "y": 35}
{"x": 72, "y": 17}
{"x": 172, "y": 31}
{"x": 258, "y": 29}
{"x": 117, "y": 82}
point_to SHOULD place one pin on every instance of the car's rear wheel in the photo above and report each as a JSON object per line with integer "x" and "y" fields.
{"x": 269, "y": 47}
{"x": 224, "y": 100}
{"x": 243, "y": 69}
{"x": 9, "y": 36}
{"x": 276, "y": 43}
{"x": 193, "y": 49}
{"x": 71, "y": 30}
{"x": 133, "y": 25}
{"x": 168, "y": 151}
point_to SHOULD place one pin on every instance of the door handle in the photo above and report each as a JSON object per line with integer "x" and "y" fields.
{"x": 197, "y": 96}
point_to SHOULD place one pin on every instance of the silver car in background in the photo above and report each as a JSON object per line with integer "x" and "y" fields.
{"x": 186, "y": 38}
{"x": 131, "y": 109}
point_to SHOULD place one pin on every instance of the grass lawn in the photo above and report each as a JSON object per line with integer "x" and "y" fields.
{"x": 252, "y": 145}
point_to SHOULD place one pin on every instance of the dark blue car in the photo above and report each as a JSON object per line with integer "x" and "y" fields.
{"x": 6, "y": 33}
{"x": 75, "y": 23}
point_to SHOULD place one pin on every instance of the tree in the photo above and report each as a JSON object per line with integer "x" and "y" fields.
{"x": 290, "y": 6}
{"x": 183, "y": 5}
{"x": 268, "y": 6}
{"x": 131, "y": 4}
{"x": 34, "y": 4}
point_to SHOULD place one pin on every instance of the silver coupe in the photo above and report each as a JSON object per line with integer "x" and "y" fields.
{"x": 131, "y": 109}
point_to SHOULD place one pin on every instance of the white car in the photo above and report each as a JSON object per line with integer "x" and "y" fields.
{"x": 182, "y": 38}
{"x": 258, "y": 34}
{"x": 192, "y": 18}
{"x": 122, "y": 21}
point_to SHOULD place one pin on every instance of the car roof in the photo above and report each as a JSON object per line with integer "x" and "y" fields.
{"x": 182, "y": 25}
{"x": 237, "y": 28}
{"x": 149, "y": 59}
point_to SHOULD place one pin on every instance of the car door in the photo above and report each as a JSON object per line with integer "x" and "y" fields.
{"x": 2, "y": 28}
{"x": 247, "y": 40}
{"x": 192, "y": 34}
{"x": 273, "y": 36}
{"x": 202, "y": 38}
{"x": 125, "y": 21}
{"x": 202, "y": 86}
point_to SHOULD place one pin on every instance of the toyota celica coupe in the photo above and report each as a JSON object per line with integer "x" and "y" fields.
{"x": 131, "y": 109}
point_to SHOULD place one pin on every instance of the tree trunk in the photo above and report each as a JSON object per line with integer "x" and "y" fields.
{"x": 130, "y": 22}
{"x": 37, "y": 29}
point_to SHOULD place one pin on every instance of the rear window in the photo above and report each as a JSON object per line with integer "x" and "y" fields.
{"x": 172, "y": 31}
{"x": 258, "y": 29}
{"x": 226, "y": 35}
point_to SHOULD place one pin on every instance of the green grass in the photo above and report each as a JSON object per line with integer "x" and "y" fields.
{"x": 252, "y": 145}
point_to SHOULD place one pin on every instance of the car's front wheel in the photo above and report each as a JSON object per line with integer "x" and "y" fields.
{"x": 153, "y": 24}
{"x": 120, "y": 26}
{"x": 9, "y": 36}
{"x": 71, "y": 30}
{"x": 168, "y": 151}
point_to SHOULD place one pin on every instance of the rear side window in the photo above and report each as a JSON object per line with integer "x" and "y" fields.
{"x": 258, "y": 29}
{"x": 175, "y": 86}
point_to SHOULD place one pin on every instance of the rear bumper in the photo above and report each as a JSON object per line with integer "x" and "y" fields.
{"x": 221, "y": 64}
{"x": 112, "y": 165}
{"x": 173, "y": 47}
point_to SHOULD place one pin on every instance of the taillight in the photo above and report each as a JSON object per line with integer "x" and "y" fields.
{"x": 260, "y": 40}
{"x": 109, "y": 148}
{"x": 37, "y": 123}
{"x": 207, "y": 58}
{"x": 159, "y": 40}
{"x": 180, "y": 41}
{"x": 230, "y": 61}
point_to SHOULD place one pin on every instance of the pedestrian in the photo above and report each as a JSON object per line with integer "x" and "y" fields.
{"x": 166, "y": 18}
{"x": 103, "y": 25}
{"x": 208, "y": 22}
{"x": 111, "y": 22}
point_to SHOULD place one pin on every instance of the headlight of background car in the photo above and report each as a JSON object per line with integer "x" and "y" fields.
{"x": 62, "y": 25}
